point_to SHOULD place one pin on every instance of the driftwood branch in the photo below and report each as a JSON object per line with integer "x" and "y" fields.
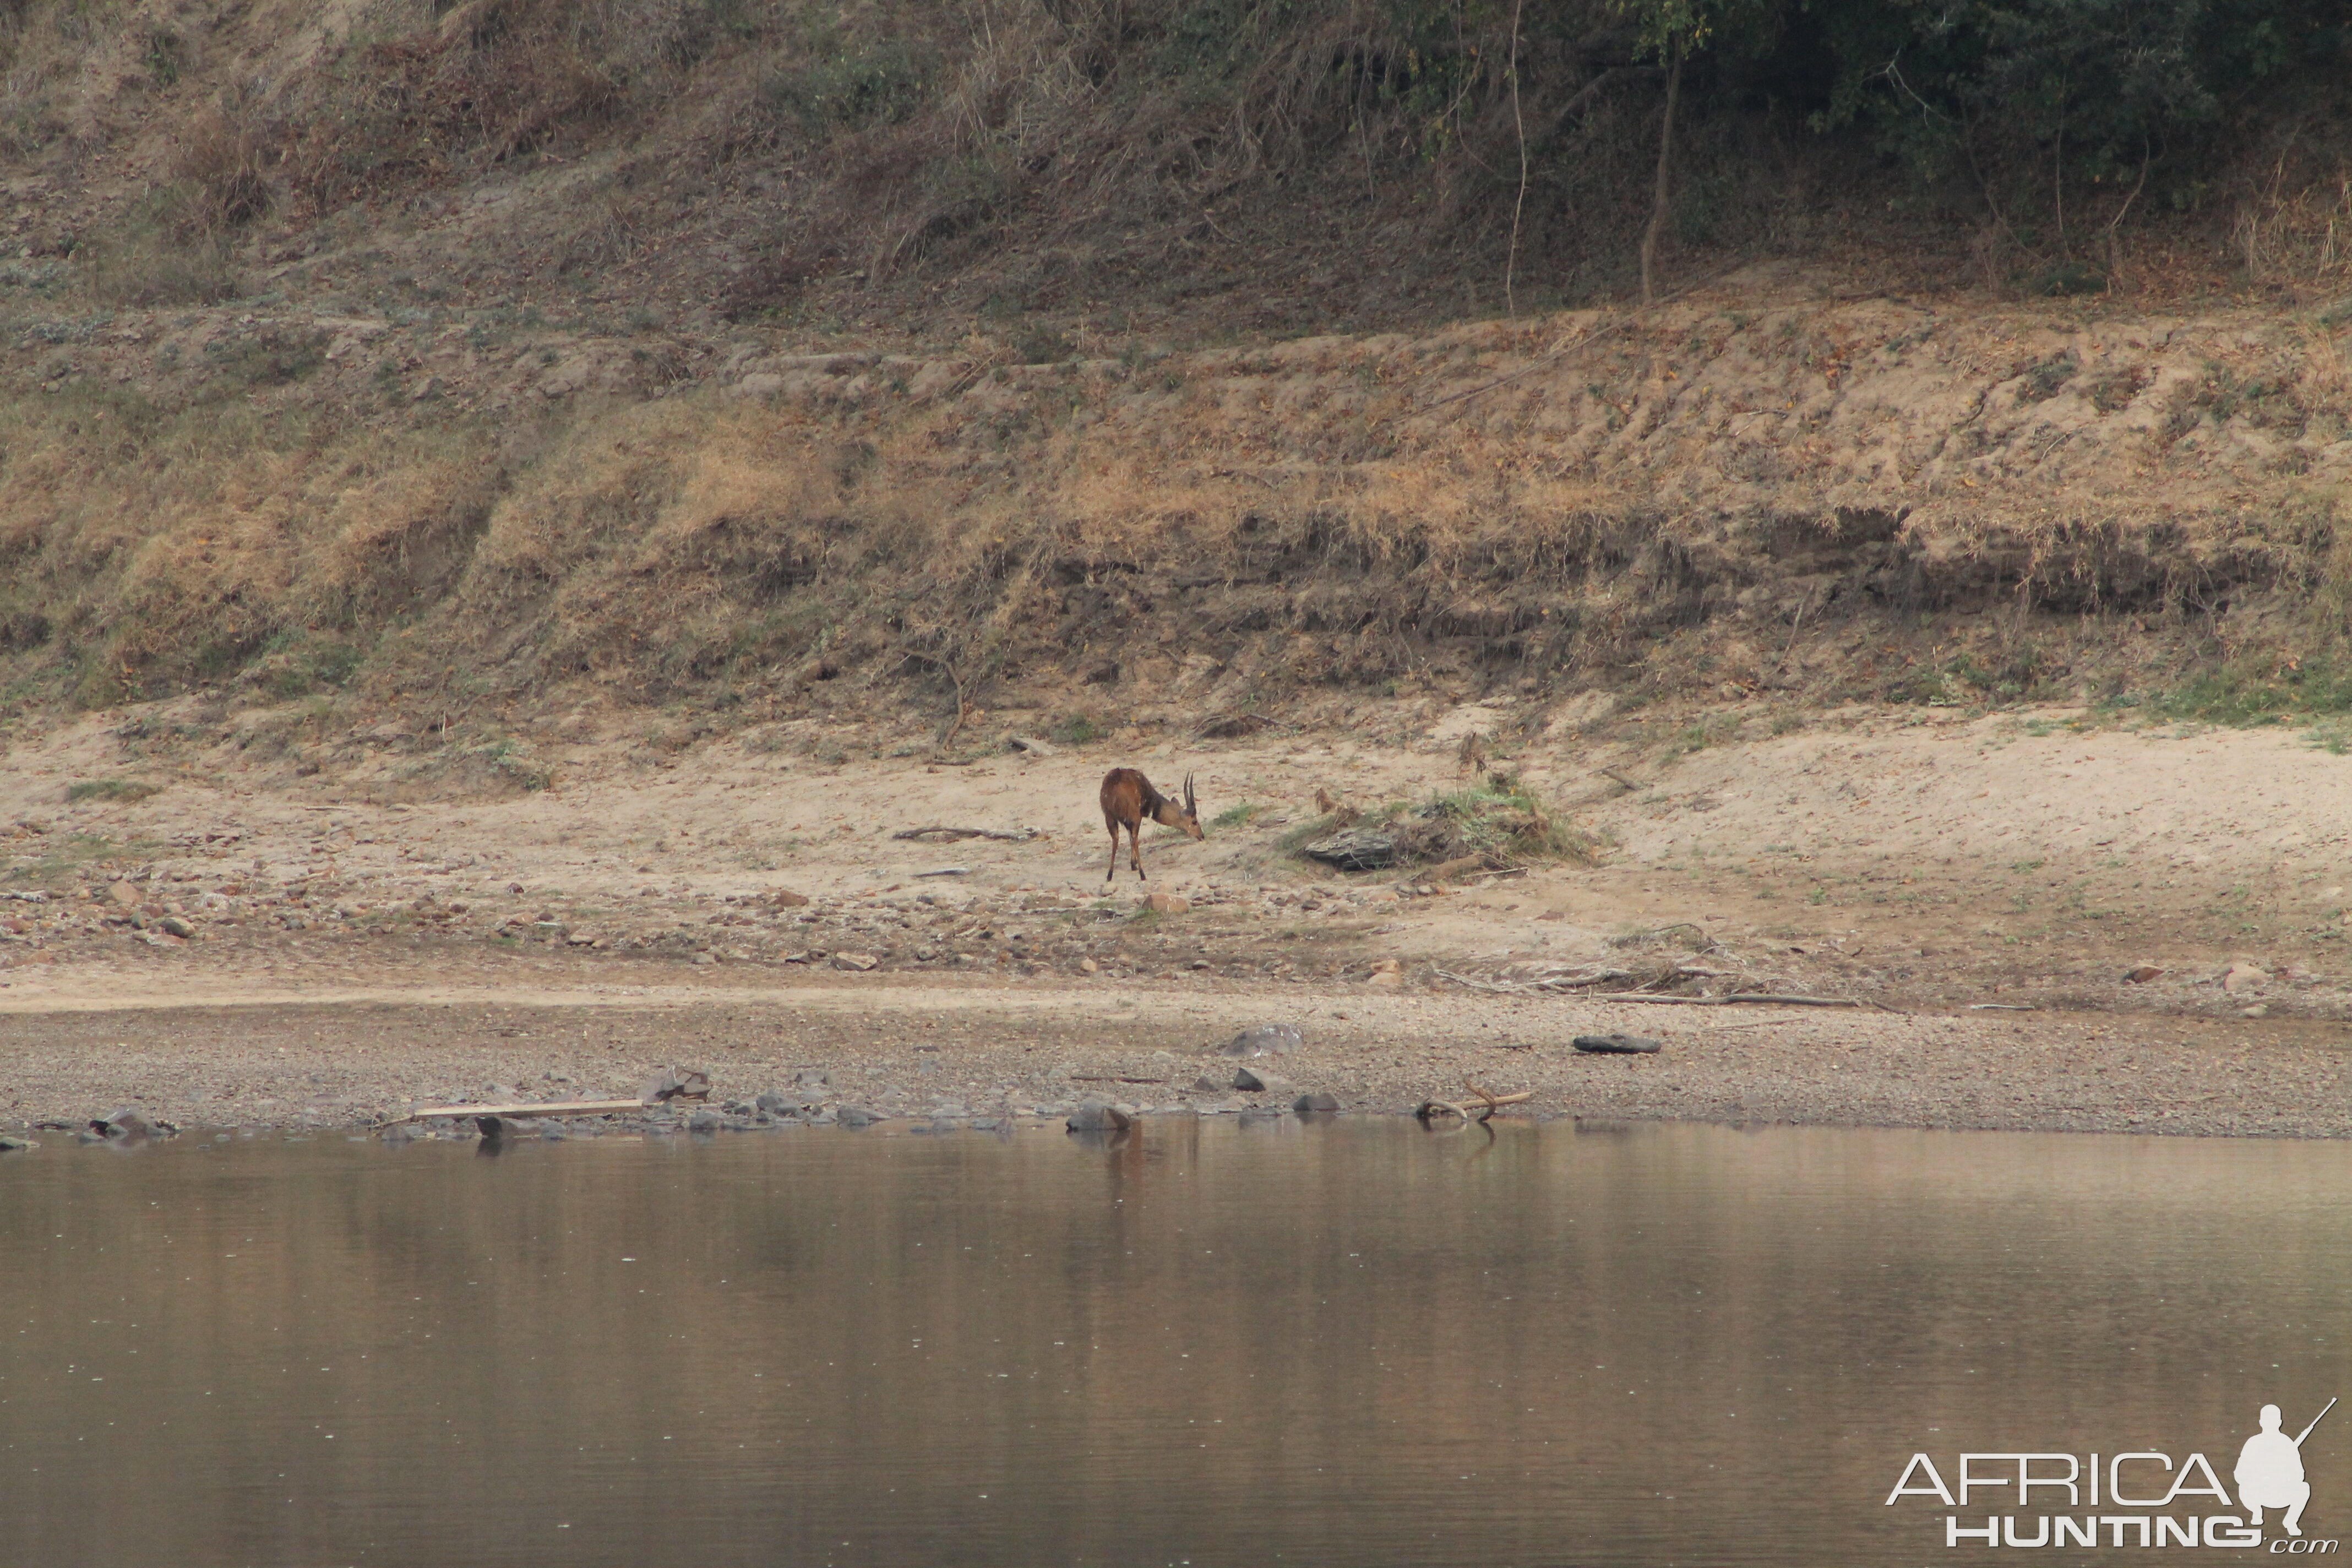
{"x": 1581, "y": 981}
{"x": 1490, "y": 1102}
{"x": 1010, "y": 835}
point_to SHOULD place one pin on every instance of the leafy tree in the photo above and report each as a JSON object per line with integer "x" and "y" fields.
{"x": 2060, "y": 112}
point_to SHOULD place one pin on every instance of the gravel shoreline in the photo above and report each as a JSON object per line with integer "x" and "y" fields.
{"x": 906, "y": 1051}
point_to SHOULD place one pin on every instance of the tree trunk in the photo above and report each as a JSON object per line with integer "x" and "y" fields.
{"x": 1659, "y": 196}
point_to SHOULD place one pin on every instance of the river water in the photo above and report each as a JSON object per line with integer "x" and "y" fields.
{"x": 1358, "y": 1342}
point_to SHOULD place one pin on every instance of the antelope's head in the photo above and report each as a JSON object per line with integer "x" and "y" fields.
{"x": 1188, "y": 819}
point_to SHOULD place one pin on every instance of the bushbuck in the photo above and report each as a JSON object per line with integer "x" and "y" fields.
{"x": 1128, "y": 798}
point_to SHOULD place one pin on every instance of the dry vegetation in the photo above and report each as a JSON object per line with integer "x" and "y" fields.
{"x": 761, "y": 356}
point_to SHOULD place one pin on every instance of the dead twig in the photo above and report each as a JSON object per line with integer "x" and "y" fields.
{"x": 1477, "y": 984}
{"x": 1795, "y": 626}
{"x": 1518, "y": 121}
{"x": 963, "y": 706}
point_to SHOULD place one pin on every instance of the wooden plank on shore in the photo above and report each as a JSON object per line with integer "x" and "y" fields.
{"x": 1735, "y": 1000}
{"x": 550, "y": 1108}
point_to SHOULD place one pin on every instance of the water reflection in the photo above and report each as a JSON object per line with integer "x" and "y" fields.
{"x": 1346, "y": 1343}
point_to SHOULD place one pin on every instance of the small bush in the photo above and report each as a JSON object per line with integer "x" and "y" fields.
{"x": 848, "y": 89}
{"x": 2044, "y": 380}
{"x": 220, "y": 179}
{"x": 301, "y": 670}
{"x": 1042, "y": 345}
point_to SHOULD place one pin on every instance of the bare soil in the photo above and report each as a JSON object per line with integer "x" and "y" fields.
{"x": 351, "y": 953}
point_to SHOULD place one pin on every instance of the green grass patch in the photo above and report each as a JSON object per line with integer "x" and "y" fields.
{"x": 299, "y": 668}
{"x": 110, "y": 790}
{"x": 67, "y": 860}
{"x": 1077, "y": 730}
{"x": 1236, "y": 816}
{"x": 2253, "y": 690}
{"x": 1721, "y": 730}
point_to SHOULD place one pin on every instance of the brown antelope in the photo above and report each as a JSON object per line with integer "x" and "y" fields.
{"x": 1128, "y": 798}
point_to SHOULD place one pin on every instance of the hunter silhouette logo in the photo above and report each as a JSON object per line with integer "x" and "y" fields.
{"x": 2154, "y": 1502}
{"x": 2270, "y": 1471}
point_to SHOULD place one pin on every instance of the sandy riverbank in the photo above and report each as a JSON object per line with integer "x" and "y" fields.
{"x": 343, "y": 1056}
{"x": 251, "y": 949}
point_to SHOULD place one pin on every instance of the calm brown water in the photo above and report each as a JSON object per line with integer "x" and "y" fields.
{"x": 1355, "y": 1344}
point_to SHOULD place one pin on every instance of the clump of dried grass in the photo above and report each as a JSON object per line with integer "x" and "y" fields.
{"x": 1495, "y": 825}
{"x": 178, "y": 247}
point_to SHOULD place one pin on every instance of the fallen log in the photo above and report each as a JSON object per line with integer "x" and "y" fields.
{"x": 1616, "y": 1045}
{"x": 1737, "y": 998}
{"x": 551, "y": 1108}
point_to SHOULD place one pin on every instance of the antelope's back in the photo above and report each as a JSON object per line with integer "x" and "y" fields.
{"x": 1125, "y": 794}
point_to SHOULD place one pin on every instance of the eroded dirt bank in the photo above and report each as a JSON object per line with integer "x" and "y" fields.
{"x": 1761, "y": 489}
{"x": 244, "y": 949}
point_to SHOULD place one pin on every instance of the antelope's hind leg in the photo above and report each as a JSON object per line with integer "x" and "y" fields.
{"x": 1111, "y": 872}
{"x": 1135, "y": 849}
